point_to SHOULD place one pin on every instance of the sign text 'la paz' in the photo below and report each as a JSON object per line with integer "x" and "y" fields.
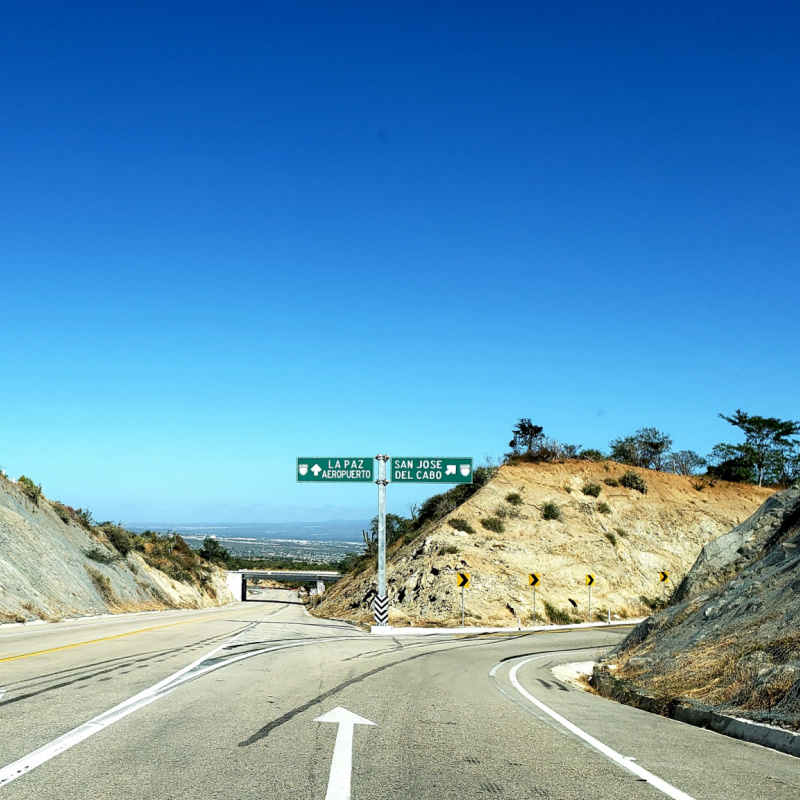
{"x": 349, "y": 469}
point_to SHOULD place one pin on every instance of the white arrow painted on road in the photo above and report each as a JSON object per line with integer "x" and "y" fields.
{"x": 342, "y": 763}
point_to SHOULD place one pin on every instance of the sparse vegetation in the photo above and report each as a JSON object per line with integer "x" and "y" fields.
{"x": 84, "y": 517}
{"x": 592, "y": 489}
{"x": 64, "y": 512}
{"x": 654, "y": 603}
{"x": 460, "y": 524}
{"x": 440, "y": 505}
{"x": 604, "y": 508}
{"x": 551, "y": 510}
{"x": 611, "y": 538}
{"x": 632, "y": 480}
{"x": 611, "y": 482}
{"x": 31, "y": 490}
{"x": 102, "y": 584}
{"x": 514, "y": 498}
{"x": 120, "y": 539}
{"x": 621, "y": 532}
{"x": 494, "y": 524}
{"x": 101, "y": 555}
{"x": 449, "y": 550}
{"x": 556, "y": 615}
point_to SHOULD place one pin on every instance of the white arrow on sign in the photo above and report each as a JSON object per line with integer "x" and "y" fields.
{"x": 342, "y": 763}
{"x": 451, "y": 469}
{"x": 316, "y": 469}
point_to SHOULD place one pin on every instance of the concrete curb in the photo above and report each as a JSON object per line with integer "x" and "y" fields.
{"x": 388, "y": 630}
{"x": 779, "y": 739}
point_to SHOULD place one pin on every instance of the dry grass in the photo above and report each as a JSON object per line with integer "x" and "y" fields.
{"x": 103, "y": 585}
{"x": 41, "y": 613}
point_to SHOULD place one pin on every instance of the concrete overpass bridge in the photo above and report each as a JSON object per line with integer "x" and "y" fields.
{"x": 237, "y": 579}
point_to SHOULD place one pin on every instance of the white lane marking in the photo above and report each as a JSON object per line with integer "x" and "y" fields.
{"x": 156, "y": 692}
{"x": 2, "y": 692}
{"x": 342, "y": 761}
{"x": 626, "y": 763}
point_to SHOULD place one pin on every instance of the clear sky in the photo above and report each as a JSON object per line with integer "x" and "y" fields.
{"x": 236, "y": 233}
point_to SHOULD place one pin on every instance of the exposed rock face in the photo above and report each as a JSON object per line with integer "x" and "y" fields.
{"x": 45, "y": 573}
{"x": 621, "y": 536}
{"x": 734, "y": 645}
{"x": 723, "y": 558}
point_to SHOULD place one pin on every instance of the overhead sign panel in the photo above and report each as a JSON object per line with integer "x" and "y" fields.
{"x": 335, "y": 469}
{"x": 431, "y": 469}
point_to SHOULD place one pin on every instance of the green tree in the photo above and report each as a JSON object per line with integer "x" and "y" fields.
{"x": 525, "y": 436}
{"x": 647, "y": 448}
{"x": 212, "y": 550}
{"x": 764, "y": 438}
{"x": 686, "y": 462}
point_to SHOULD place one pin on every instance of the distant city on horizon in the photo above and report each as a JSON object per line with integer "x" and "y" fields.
{"x": 305, "y": 541}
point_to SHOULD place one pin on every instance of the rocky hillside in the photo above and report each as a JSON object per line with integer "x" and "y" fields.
{"x": 623, "y": 536}
{"x": 51, "y": 568}
{"x": 732, "y": 644}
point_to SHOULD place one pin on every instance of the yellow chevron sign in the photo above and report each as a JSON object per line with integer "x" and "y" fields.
{"x": 462, "y": 580}
{"x": 589, "y": 580}
{"x": 663, "y": 576}
{"x": 533, "y": 579}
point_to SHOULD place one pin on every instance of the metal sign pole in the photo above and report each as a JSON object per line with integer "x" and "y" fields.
{"x": 381, "y": 600}
{"x": 462, "y": 606}
{"x": 590, "y": 602}
{"x": 534, "y": 604}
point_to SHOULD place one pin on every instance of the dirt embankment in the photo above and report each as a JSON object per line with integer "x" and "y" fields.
{"x": 622, "y": 536}
{"x": 732, "y": 645}
{"x": 45, "y": 572}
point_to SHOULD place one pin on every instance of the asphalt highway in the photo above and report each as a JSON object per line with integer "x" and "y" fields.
{"x": 225, "y": 703}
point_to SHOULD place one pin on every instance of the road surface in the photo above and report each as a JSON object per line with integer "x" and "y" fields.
{"x": 225, "y": 703}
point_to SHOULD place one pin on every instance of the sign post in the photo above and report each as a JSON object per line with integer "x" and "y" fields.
{"x": 463, "y": 581}
{"x": 589, "y": 582}
{"x": 533, "y": 580}
{"x": 382, "y": 599}
{"x": 432, "y": 469}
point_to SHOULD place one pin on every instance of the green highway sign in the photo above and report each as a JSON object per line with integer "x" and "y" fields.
{"x": 408, "y": 469}
{"x": 348, "y": 470}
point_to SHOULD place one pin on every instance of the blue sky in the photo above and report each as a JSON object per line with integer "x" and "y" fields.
{"x": 233, "y": 234}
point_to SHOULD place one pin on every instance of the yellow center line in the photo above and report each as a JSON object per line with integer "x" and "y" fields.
{"x": 119, "y": 636}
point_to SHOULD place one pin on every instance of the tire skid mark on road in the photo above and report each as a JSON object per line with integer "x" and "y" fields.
{"x": 626, "y": 763}
{"x": 109, "y": 638}
{"x": 435, "y": 647}
{"x": 202, "y": 666}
